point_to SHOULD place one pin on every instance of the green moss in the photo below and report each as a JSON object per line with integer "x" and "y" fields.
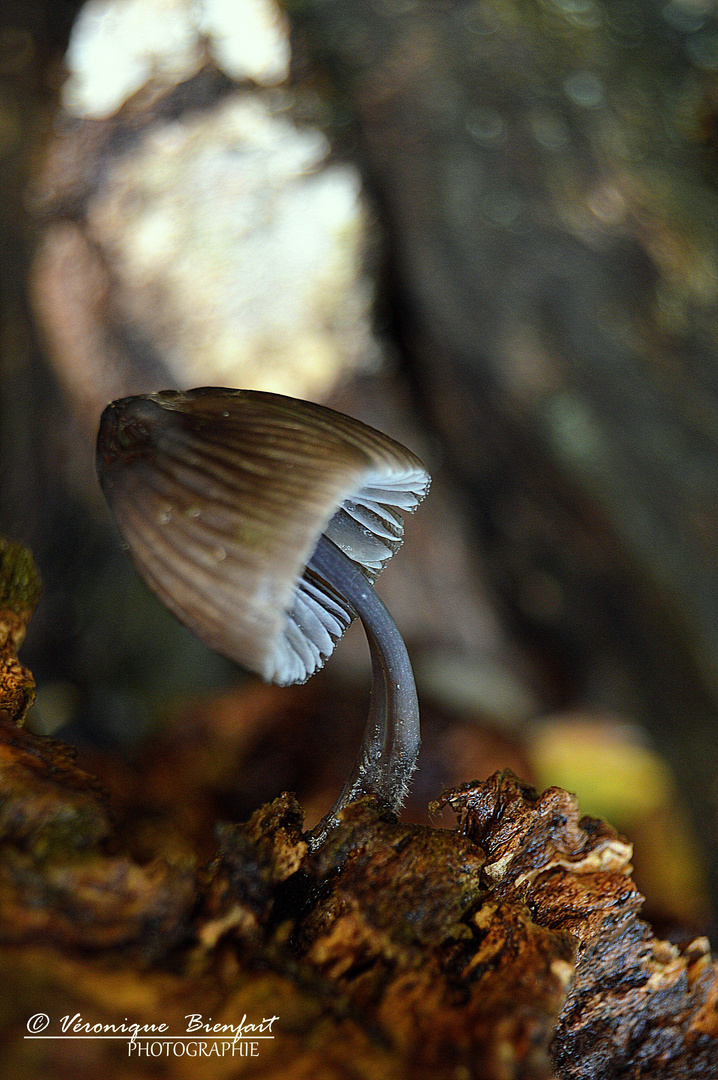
{"x": 20, "y": 584}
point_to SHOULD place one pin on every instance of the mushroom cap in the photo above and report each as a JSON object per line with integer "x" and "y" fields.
{"x": 222, "y": 495}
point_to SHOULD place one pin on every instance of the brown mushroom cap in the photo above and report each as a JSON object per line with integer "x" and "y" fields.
{"x": 222, "y": 496}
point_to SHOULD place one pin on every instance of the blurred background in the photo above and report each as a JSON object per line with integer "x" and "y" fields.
{"x": 487, "y": 228}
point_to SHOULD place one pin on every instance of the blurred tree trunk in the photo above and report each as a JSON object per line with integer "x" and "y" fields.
{"x": 35, "y": 504}
{"x": 33, "y": 39}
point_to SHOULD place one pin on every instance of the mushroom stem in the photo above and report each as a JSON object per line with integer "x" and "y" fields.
{"x": 388, "y": 752}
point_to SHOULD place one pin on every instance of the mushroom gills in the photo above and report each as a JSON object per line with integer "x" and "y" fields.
{"x": 364, "y": 535}
{"x": 387, "y": 757}
{"x": 221, "y": 494}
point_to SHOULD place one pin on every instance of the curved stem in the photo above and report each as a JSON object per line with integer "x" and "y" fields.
{"x": 387, "y": 756}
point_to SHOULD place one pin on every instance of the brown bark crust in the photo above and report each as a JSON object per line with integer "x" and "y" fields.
{"x": 509, "y": 947}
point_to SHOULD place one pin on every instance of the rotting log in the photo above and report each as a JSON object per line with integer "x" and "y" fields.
{"x": 19, "y": 593}
{"x": 509, "y": 946}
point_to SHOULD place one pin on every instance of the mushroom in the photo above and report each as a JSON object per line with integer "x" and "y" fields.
{"x": 262, "y": 522}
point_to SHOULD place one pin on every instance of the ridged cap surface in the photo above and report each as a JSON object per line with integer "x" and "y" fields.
{"x": 222, "y": 496}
